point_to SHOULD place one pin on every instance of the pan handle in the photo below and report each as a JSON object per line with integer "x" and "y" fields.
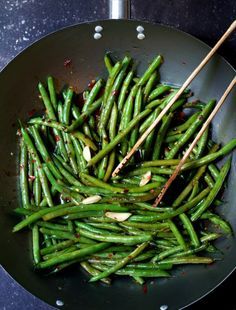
{"x": 119, "y": 9}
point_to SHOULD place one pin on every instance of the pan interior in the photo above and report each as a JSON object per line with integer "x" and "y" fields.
{"x": 18, "y": 88}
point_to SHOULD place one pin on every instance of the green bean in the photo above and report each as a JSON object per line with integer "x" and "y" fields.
{"x": 67, "y": 106}
{"x": 62, "y": 163}
{"x": 65, "y": 244}
{"x": 177, "y": 234}
{"x": 184, "y": 126}
{"x": 124, "y": 88}
{"x": 48, "y": 104}
{"x": 113, "y": 122}
{"x": 192, "y": 129}
{"x": 120, "y": 264}
{"x": 94, "y": 272}
{"x": 44, "y": 153}
{"x": 187, "y": 206}
{"x": 195, "y": 191}
{"x": 108, "y": 63}
{"x": 154, "y": 104}
{"x": 37, "y": 189}
{"x": 211, "y": 157}
{"x": 81, "y": 163}
{"x": 188, "y": 260}
{"x": 157, "y": 61}
{"x": 160, "y": 136}
{"x": 149, "y": 85}
{"x": 214, "y": 171}
{"x": 190, "y": 229}
{"x": 147, "y": 123}
{"x": 103, "y": 163}
{"x": 91, "y": 228}
{"x": 115, "y": 238}
{"x": 160, "y": 162}
{"x": 92, "y": 95}
{"x": 83, "y": 207}
{"x": 68, "y": 176}
{"x": 217, "y": 220}
{"x": 101, "y": 184}
{"x": 37, "y": 215}
{"x": 52, "y": 92}
{"x": 150, "y": 266}
{"x": 153, "y": 170}
{"x": 209, "y": 180}
{"x": 202, "y": 144}
{"x": 109, "y": 226}
{"x": 161, "y": 89}
{"x": 137, "y": 110}
{"x": 214, "y": 191}
{"x": 146, "y": 226}
{"x": 48, "y": 123}
{"x": 58, "y": 234}
{"x": 61, "y": 187}
{"x": 78, "y": 254}
{"x": 35, "y": 241}
{"x": 84, "y": 116}
{"x": 24, "y": 176}
{"x": 52, "y": 226}
{"x": 110, "y": 146}
{"x": 149, "y": 140}
{"x": 105, "y": 114}
{"x": 43, "y": 179}
{"x": 31, "y": 176}
{"x": 82, "y": 137}
{"x": 115, "y": 70}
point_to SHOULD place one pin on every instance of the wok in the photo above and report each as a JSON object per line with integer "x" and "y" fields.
{"x": 19, "y": 96}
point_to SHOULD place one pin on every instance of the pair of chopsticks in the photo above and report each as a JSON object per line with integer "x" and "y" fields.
{"x": 165, "y": 110}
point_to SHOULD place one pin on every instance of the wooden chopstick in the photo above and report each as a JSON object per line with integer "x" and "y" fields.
{"x": 195, "y": 141}
{"x": 172, "y": 101}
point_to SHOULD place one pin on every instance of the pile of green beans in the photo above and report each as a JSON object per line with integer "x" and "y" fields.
{"x": 79, "y": 214}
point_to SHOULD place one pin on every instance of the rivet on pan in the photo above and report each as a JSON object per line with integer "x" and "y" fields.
{"x": 140, "y": 29}
{"x": 163, "y": 307}
{"x": 97, "y": 35}
{"x": 98, "y": 28}
{"x": 59, "y": 303}
{"x": 141, "y": 36}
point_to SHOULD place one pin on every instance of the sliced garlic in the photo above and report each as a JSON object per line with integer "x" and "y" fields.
{"x": 91, "y": 199}
{"x": 145, "y": 178}
{"x": 118, "y": 216}
{"x": 87, "y": 153}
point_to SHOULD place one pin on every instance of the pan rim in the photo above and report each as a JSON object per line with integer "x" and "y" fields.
{"x": 66, "y": 28}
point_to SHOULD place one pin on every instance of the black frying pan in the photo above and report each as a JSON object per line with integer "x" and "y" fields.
{"x": 18, "y": 91}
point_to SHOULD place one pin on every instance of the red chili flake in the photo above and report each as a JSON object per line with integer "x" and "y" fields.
{"x": 152, "y": 191}
{"x": 31, "y": 112}
{"x": 67, "y": 62}
{"x": 57, "y": 138}
{"x": 33, "y": 161}
{"x": 126, "y": 190}
{"x": 180, "y": 116}
{"x": 31, "y": 178}
{"x": 77, "y": 235}
{"x": 91, "y": 84}
{"x": 145, "y": 288}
